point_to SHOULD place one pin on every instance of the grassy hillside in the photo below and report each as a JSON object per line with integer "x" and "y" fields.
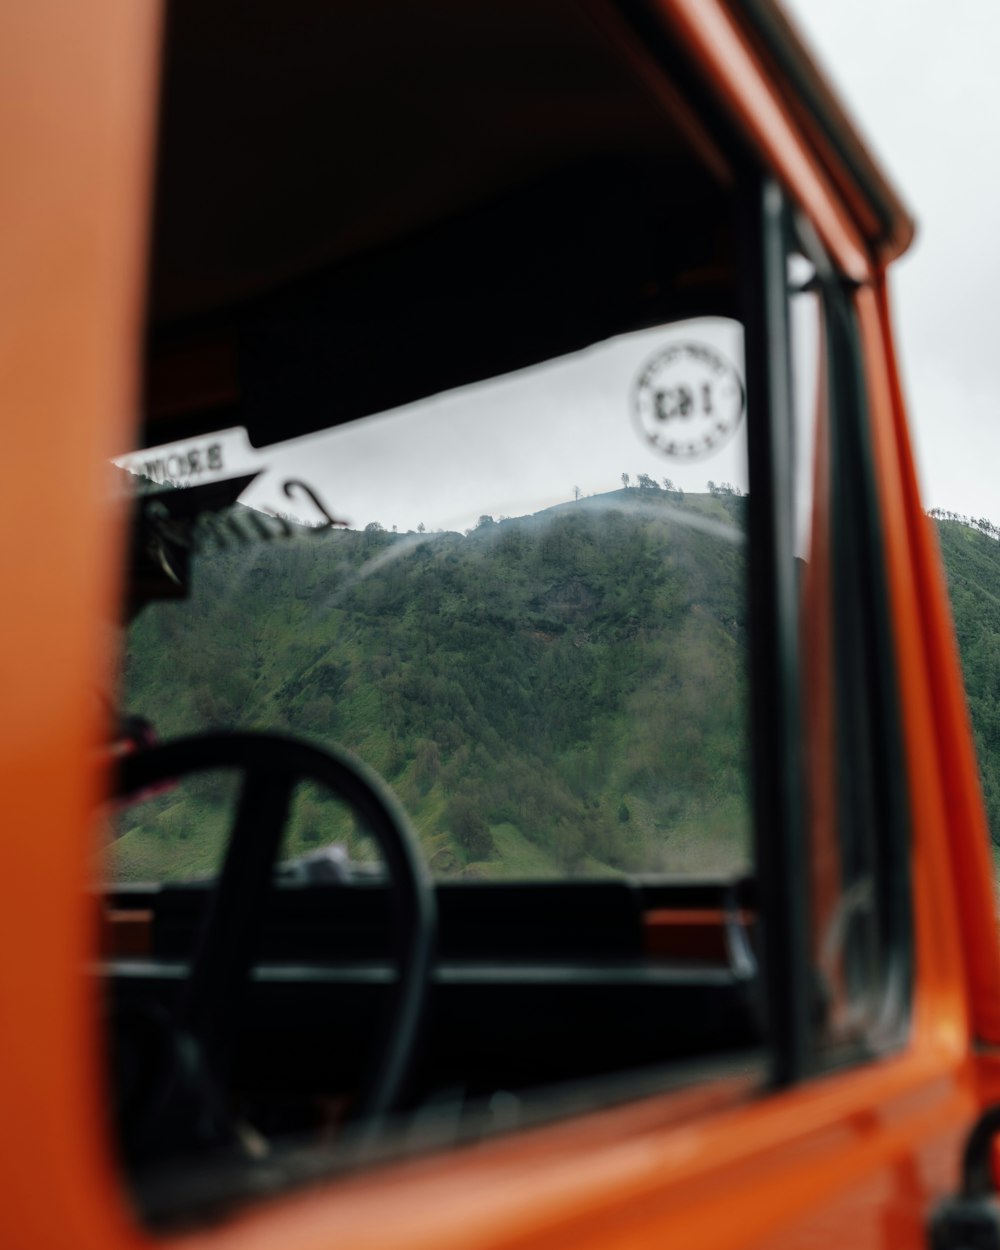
{"x": 972, "y": 563}
{"x": 563, "y": 693}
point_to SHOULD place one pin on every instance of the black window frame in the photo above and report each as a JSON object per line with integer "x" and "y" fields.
{"x": 869, "y": 717}
{"x": 871, "y": 763}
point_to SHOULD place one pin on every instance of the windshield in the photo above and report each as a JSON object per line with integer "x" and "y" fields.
{"x": 529, "y": 618}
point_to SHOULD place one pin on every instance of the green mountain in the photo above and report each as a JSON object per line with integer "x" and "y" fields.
{"x": 557, "y": 694}
{"x": 549, "y": 695}
{"x": 972, "y": 562}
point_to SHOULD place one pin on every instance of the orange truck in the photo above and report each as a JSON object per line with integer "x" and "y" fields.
{"x": 675, "y": 922}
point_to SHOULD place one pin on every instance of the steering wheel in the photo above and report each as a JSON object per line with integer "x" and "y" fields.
{"x": 192, "y": 1038}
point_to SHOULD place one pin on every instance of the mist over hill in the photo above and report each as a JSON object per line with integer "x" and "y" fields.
{"x": 971, "y": 553}
{"x": 555, "y": 694}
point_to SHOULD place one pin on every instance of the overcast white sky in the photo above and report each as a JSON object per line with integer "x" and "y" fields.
{"x": 922, "y": 82}
{"x": 507, "y": 447}
{"x": 923, "y": 85}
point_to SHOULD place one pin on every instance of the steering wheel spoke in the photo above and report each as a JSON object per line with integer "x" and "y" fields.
{"x": 228, "y": 942}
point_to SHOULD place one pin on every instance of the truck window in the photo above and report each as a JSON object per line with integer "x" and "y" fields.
{"x": 533, "y": 624}
{"x": 511, "y": 518}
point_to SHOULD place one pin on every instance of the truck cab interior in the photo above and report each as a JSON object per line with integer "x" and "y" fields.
{"x": 453, "y": 813}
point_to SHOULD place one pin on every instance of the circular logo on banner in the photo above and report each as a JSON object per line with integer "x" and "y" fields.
{"x": 688, "y": 401}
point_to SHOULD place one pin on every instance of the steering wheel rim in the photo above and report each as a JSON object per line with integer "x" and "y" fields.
{"x": 272, "y": 766}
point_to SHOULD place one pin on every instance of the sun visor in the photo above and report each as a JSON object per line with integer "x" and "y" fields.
{"x": 566, "y": 261}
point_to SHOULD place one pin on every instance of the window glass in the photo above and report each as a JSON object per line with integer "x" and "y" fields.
{"x": 522, "y": 602}
{"x": 531, "y": 620}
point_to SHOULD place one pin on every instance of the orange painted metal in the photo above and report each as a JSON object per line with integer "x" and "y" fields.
{"x": 941, "y": 1000}
{"x": 852, "y": 1159}
{"x": 126, "y": 934}
{"x": 887, "y": 225}
{"x": 689, "y": 932}
{"x": 77, "y": 87}
{"x": 775, "y": 1166}
{"x": 948, "y": 723}
{"x": 720, "y": 46}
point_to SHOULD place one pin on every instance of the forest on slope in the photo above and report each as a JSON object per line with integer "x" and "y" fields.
{"x": 971, "y": 553}
{"x": 555, "y": 694}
